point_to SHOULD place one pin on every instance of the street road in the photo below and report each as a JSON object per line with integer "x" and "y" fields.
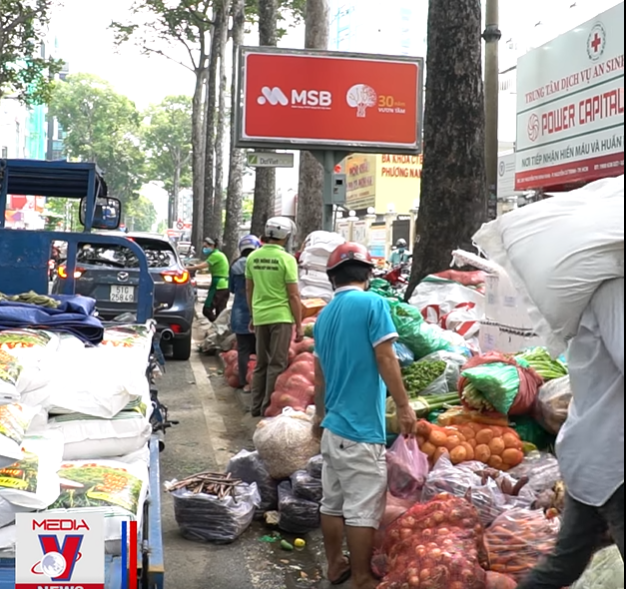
{"x": 213, "y": 427}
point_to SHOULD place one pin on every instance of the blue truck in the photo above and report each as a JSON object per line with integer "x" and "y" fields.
{"x": 24, "y": 267}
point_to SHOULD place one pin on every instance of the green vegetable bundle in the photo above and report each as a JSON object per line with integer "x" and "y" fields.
{"x": 32, "y": 298}
{"x": 491, "y": 387}
{"x": 540, "y": 360}
{"x": 419, "y": 376}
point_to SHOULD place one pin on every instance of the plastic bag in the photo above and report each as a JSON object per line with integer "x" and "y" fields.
{"x": 286, "y": 443}
{"x": 494, "y": 382}
{"x": 205, "y": 518}
{"x": 249, "y": 468}
{"x": 407, "y": 468}
{"x": 449, "y": 378}
{"x": 555, "y": 398}
{"x": 542, "y": 470}
{"x": 518, "y": 540}
{"x": 403, "y": 354}
{"x": 420, "y": 337}
{"x": 606, "y": 571}
{"x": 304, "y": 486}
{"x": 10, "y": 370}
{"x": 465, "y": 482}
{"x": 439, "y": 542}
{"x": 315, "y": 466}
{"x": 558, "y": 251}
{"x": 297, "y": 516}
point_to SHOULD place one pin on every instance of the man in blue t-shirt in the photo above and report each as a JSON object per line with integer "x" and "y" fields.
{"x": 355, "y": 359}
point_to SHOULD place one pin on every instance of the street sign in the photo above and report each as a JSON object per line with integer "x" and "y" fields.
{"x": 327, "y": 100}
{"x": 271, "y": 160}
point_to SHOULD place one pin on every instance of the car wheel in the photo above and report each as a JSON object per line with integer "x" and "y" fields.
{"x": 181, "y": 348}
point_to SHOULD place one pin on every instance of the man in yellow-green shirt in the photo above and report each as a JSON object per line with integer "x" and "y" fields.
{"x": 217, "y": 264}
{"x": 275, "y": 306}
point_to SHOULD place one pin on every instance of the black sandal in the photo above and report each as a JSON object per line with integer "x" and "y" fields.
{"x": 345, "y": 577}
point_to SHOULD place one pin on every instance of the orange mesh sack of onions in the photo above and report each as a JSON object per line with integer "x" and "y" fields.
{"x": 437, "y": 545}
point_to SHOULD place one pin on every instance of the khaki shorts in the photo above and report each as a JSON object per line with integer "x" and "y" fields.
{"x": 354, "y": 478}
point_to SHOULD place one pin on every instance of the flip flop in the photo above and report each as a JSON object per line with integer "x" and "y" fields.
{"x": 345, "y": 577}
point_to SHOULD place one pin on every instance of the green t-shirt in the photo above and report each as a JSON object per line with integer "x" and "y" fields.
{"x": 271, "y": 269}
{"x": 219, "y": 268}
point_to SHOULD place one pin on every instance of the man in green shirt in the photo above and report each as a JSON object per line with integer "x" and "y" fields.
{"x": 217, "y": 264}
{"x": 274, "y": 301}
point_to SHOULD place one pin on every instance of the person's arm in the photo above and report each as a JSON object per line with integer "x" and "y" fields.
{"x": 608, "y": 307}
{"x": 249, "y": 293}
{"x": 197, "y": 267}
{"x": 295, "y": 303}
{"x": 383, "y": 334}
{"x": 293, "y": 292}
{"x": 320, "y": 398}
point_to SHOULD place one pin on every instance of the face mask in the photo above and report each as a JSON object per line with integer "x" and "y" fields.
{"x": 207, "y": 251}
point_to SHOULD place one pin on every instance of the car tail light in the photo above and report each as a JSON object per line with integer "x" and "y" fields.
{"x": 176, "y": 329}
{"x": 176, "y": 277}
{"x": 62, "y": 272}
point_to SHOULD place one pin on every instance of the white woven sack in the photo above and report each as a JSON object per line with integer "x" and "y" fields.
{"x": 559, "y": 251}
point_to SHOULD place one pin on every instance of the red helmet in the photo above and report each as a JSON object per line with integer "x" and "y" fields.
{"x": 349, "y": 252}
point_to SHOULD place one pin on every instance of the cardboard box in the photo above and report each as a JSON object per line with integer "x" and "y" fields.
{"x": 506, "y": 339}
{"x": 504, "y": 304}
{"x": 312, "y": 307}
{"x": 488, "y": 336}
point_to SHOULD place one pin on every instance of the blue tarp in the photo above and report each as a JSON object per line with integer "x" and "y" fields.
{"x": 74, "y": 316}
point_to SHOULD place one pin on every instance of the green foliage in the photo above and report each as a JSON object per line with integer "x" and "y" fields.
{"x": 154, "y": 21}
{"x": 140, "y": 214}
{"x": 101, "y": 126}
{"x": 289, "y": 11}
{"x": 23, "y": 71}
{"x": 62, "y": 213}
{"x": 167, "y": 140}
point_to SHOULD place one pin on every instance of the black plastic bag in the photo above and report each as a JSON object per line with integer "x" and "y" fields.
{"x": 315, "y": 466}
{"x": 249, "y": 468}
{"x": 205, "y": 518}
{"x": 297, "y": 516}
{"x": 304, "y": 486}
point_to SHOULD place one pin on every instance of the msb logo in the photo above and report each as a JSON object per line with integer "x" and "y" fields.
{"x": 59, "y": 552}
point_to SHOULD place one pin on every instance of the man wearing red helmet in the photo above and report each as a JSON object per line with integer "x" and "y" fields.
{"x": 355, "y": 359}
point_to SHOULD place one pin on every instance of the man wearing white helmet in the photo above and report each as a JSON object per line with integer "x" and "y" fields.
{"x": 274, "y": 301}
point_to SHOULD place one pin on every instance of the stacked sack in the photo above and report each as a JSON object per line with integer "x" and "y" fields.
{"x": 558, "y": 252}
{"x": 314, "y": 283}
{"x": 82, "y": 416}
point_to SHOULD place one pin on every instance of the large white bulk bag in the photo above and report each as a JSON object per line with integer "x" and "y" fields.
{"x": 559, "y": 251}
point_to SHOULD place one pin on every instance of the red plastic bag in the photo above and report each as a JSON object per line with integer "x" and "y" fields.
{"x": 438, "y": 545}
{"x": 407, "y": 467}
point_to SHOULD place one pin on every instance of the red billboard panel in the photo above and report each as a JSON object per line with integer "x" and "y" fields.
{"x": 329, "y": 100}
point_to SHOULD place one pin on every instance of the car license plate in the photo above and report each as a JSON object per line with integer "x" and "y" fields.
{"x": 122, "y": 294}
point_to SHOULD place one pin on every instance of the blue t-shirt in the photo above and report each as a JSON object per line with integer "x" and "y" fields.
{"x": 346, "y": 335}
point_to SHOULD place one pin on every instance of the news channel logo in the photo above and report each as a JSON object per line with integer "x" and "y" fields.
{"x": 60, "y": 551}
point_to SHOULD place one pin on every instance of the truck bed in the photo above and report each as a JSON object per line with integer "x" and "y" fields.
{"x": 152, "y": 517}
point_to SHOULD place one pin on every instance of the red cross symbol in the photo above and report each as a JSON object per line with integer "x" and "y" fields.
{"x": 597, "y": 41}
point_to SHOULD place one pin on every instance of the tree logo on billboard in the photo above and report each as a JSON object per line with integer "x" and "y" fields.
{"x": 533, "y": 128}
{"x": 596, "y": 43}
{"x": 362, "y": 97}
{"x": 273, "y": 96}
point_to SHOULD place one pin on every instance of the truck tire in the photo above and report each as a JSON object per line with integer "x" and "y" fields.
{"x": 181, "y": 348}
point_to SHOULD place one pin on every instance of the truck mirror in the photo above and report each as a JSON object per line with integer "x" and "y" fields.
{"x": 107, "y": 213}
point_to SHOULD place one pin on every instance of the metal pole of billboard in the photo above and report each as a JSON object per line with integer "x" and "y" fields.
{"x": 329, "y": 159}
{"x": 492, "y": 36}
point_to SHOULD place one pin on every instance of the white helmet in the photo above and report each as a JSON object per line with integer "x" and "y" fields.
{"x": 279, "y": 228}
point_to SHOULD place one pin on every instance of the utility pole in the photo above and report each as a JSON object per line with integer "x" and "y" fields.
{"x": 492, "y": 36}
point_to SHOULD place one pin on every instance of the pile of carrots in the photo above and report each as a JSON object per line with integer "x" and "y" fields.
{"x": 498, "y": 447}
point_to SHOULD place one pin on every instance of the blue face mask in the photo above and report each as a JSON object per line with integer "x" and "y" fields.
{"x": 207, "y": 251}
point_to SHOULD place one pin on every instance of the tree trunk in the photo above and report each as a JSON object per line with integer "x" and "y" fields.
{"x": 198, "y": 159}
{"x": 176, "y": 188}
{"x": 216, "y": 224}
{"x": 311, "y": 184}
{"x": 454, "y": 186}
{"x": 265, "y": 184}
{"x": 211, "y": 119}
{"x": 234, "y": 196}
